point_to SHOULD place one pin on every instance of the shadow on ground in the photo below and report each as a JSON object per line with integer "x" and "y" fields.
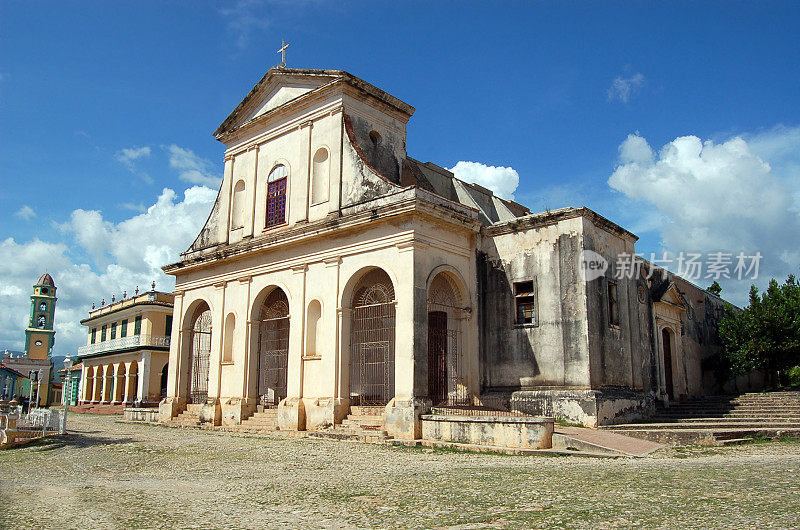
{"x": 74, "y": 440}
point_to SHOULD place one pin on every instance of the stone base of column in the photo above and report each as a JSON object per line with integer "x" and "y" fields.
{"x": 211, "y": 411}
{"x": 292, "y": 415}
{"x": 324, "y": 413}
{"x": 403, "y": 418}
{"x": 170, "y": 407}
{"x": 235, "y": 410}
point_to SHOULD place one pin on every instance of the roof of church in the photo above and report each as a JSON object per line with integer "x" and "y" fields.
{"x": 333, "y": 75}
{"x": 11, "y": 370}
{"x": 46, "y": 279}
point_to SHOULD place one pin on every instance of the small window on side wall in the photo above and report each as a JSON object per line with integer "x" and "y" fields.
{"x": 613, "y": 305}
{"x": 525, "y": 302}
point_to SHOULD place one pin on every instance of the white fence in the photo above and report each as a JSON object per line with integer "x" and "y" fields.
{"x": 16, "y": 426}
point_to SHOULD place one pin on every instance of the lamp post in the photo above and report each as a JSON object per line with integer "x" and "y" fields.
{"x": 66, "y": 392}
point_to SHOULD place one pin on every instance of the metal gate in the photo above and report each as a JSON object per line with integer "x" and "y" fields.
{"x": 437, "y": 356}
{"x": 273, "y": 349}
{"x": 446, "y": 317}
{"x": 201, "y": 352}
{"x": 372, "y": 342}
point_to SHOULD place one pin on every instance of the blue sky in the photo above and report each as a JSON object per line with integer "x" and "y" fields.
{"x": 104, "y": 105}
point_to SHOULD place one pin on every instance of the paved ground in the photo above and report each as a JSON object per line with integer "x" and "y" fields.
{"x": 121, "y": 475}
{"x": 610, "y": 440}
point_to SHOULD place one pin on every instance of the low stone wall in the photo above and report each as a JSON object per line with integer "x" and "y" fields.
{"x": 498, "y": 431}
{"x": 147, "y": 415}
{"x": 590, "y": 408}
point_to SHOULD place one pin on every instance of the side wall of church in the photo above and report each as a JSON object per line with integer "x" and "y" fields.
{"x": 553, "y": 351}
{"x": 618, "y": 342}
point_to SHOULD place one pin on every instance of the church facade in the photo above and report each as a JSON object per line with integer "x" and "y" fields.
{"x": 335, "y": 271}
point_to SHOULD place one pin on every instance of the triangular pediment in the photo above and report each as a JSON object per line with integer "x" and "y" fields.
{"x": 278, "y": 87}
{"x": 672, "y": 296}
{"x": 283, "y": 86}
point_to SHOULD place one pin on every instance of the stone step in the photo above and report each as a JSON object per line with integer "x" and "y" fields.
{"x": 258, "y": 416}
{"x": 711, "y": 406}
{"x": 762, "y": 419}
{"x": 735, "y": 413}
{"x": 705, "y": 425}
{"x": 363, "y": 420}
{"x": 705, "y": 436}
{"x": 367, "y": 410}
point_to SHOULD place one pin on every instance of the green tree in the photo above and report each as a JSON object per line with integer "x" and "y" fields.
{"x": 715, "y": 288}
{"x": 765, "y": 334}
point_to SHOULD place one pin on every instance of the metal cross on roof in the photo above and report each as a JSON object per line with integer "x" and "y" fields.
{"x": 282, "y": 51}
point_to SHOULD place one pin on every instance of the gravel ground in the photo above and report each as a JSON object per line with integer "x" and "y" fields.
{"x": 115, "y": 475}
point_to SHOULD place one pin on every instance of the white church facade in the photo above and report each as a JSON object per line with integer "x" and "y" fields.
{"x": 335, "y": 271}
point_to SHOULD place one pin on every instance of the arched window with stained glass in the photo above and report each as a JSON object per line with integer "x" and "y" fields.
{"x": 276, "y": 196}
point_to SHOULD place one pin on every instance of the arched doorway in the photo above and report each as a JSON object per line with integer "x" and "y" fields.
{"x": 273, "y": 348}
{"x": 446, "y": 385}
{"x": 88, "y": 390}
{"x": 119, "y": 383}
{"x": 667, "y": 348}
{"x": 164, "y": 374}
{"x": 372, "y": 335}
{"x": 98, "y": 385}
{"x": 201, "y": 353}
{"x": 133, "y": 376}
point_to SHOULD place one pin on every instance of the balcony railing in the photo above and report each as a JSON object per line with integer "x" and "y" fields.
{"x": 124, "y": 343}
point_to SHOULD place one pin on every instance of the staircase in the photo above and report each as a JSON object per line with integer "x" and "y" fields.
{"x": 363, "y": 424}
{"x": 720, "y": 420}
{"x": 98, "y": 409}
{"x": 187, "y": 418}
{"x": 263, "y": 421}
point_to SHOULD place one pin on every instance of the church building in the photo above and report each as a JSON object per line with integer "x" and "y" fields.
{"x": 337, "y": 274}
{"x": 36, "y": 364}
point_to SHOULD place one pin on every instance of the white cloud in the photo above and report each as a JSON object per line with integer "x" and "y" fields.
{"x": 503, "y": 181}
{"x": 192, "y": 168}
{"x": 26, "y": 212}
{"x": 244, "y": 19}
{"x": 720, "y": 196}
{"x": 136, "y": 207}
{"x": 129, "y": 156}
{"x": 126, "y": 254}
{"x": 624, "y": 87}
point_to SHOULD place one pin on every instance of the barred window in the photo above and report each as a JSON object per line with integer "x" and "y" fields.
{"x": 613, "y": 306}
{"x": 525, "y": 298}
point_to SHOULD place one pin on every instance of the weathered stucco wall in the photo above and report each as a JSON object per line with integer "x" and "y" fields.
{"x": 616, "y": 357}
{"x": 554, "y": 350}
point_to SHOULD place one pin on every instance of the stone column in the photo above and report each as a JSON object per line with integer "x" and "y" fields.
{"x": 104, "y": 388}
{"x": 144, "y": 376}
{"x": 172, "y": 405}
{"x": 217, "y": 336}
{"x": 291, "y": 411}
{"x": 115, "y": 385}
{"x": 127, "y": 395}
{"x": 410, "y": 368}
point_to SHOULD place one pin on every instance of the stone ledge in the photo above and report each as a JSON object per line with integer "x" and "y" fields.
{"x": 486, "y": 419}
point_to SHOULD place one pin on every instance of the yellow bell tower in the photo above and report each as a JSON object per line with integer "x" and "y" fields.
{"x": 40, "y": 336}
